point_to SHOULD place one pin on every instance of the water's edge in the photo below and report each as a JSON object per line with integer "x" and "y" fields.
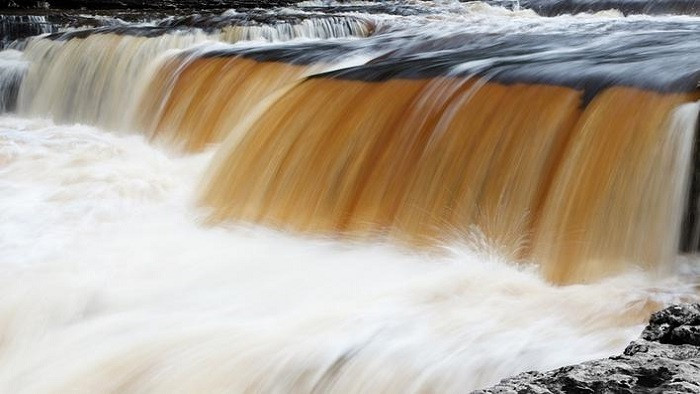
{"x": 665, "y": 358}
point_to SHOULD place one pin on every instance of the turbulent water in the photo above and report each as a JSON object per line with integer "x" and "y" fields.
{"x": 110, "y": 283}
{"x": 164, "y": 220}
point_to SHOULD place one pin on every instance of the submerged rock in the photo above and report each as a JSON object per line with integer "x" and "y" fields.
{"x": 666, "y": 359}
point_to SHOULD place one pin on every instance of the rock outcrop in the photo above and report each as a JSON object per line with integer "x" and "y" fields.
{"x": 666, "y": 359}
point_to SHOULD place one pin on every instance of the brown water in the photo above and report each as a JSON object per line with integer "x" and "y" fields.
{"x": 420, "y": 197}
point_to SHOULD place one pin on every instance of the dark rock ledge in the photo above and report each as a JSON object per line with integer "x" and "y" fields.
{"x": 666, "y": 359}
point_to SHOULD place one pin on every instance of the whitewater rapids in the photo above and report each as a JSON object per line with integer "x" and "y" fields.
{"x": 110, "y": 282}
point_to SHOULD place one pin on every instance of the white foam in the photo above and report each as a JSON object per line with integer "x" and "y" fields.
{"x": 109, "y": 281}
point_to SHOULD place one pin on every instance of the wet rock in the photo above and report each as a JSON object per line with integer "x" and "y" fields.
{"x": 666, "y": 359}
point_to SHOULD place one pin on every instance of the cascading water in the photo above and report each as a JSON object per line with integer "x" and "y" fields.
{"x": 13, "y": 27}
{"x": 398, "y": 197}
{"x": 325, "y": 28}
{"x": 92, "y": 80}
{"x": 12, "y": 70}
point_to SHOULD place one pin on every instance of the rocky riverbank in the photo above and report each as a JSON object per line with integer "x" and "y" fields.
{"x": 665, "y": 359}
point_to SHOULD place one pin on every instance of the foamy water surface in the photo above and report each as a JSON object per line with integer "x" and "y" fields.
{"x": 110, "y": 281}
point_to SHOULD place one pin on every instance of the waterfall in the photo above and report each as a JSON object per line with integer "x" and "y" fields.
{"x": 12, "y": 71}
{"x": 342, "y": 197}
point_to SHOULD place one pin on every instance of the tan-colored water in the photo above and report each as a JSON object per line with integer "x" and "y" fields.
{"x": 430, "y": 161}
{"x": 208, "y": 97}
{"x": 112, "y": 280}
